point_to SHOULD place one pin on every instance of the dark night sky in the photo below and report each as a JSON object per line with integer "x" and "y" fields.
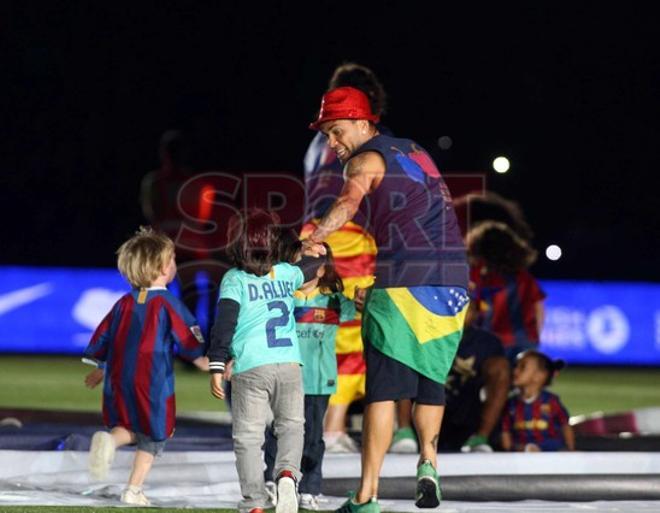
{"x": 570, "y": 95}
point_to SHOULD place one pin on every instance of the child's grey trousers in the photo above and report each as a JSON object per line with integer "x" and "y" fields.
{"x": 255, "y": 393}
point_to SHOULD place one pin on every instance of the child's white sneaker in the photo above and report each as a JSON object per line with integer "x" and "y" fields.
{"x": 309, "y": 501}
{"x": 271, "y": 491}
{"x": 101, "y": 454}
{"x": 134, "y": 495}
{"x": 287, "y": 498}
{"x": 339, "y": 442}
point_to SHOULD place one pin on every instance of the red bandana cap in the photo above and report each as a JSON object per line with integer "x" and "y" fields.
{"x": 344, "y": 103}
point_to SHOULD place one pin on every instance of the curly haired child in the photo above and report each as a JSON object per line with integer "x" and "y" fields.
{"x": 510, "y": 300}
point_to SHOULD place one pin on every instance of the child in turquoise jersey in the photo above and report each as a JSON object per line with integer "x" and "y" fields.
{"x": 255, "y": 327}
{"x": 319, "y": 308}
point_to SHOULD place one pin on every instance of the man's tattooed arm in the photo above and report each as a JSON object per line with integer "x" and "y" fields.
{"x": 361, "y": 173}
{"x": 341, "y": 212}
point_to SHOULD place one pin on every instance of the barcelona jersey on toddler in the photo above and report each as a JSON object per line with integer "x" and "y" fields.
{"x": 136, "y": 340}
{"x": 537, "y": 422}
{"x": 317, "y": 320}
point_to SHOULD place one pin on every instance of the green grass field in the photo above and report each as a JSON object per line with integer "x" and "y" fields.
{"x": 56, "y": 383}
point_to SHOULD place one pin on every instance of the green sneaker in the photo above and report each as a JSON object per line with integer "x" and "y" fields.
{"x": 428, "y": 490}
{"x": 476, "y": 443}
{"x": 404, "y": 441}
{"x": 371, "y": 506}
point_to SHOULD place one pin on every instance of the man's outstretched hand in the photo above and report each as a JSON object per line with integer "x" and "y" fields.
{"x": 311, "y": 248}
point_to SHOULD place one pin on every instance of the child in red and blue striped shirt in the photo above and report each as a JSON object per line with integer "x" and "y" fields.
{"x": 535, "y": 419}
{"x": 509, "y": 298}
{"x": 135, "y": 345}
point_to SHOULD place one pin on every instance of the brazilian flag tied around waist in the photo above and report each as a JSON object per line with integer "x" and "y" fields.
{"x": 420, "y": 327}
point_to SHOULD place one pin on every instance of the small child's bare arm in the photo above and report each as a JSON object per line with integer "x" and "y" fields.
{"x": 569, "y": 436}
{"x": 507, "y": 442}
{"x": 94, "y": 378}
{"x": 202, "y": 363}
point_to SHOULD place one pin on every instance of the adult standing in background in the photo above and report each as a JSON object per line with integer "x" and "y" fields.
{"x": 170, "y": 196}
{"x": 510, "y": 299}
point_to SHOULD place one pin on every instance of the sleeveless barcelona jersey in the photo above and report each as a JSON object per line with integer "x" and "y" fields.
{"x": 414, "y": 313}
{"x": 412, "y": 220}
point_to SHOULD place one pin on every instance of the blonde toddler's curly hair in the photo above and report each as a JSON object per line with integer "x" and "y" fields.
{"x": 142, "y": 258}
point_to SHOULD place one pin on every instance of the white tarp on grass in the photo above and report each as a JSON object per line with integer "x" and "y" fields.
{"x": 209, "y": 480}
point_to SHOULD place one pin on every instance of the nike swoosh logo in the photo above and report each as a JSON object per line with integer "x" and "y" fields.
{"x": 13, "y": 300}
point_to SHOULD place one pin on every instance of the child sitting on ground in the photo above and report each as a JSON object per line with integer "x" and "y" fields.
{"x": 135, "y": 341}
{"x": 535, "y": 419}
{"x": 256, "y": 328}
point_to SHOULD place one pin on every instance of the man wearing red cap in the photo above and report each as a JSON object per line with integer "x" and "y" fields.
{"x": 413, "y": 315}
{"x": 354, "y": 250}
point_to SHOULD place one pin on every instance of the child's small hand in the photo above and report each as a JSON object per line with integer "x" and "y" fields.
{"x": 229, "y": 368}
{"x": 217, "y": 390}
{"x": 94, "y": 378}
{"x": 360, "y": 295}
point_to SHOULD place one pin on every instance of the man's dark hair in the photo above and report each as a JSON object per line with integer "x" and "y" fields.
{"x": 254, "y": 241}
{"x": 355, "y": 75}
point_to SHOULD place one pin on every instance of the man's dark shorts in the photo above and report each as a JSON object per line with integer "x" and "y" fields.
{"x": 390, "y": 380}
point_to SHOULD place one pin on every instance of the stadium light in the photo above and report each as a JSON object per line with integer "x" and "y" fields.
{"x": 501, "y": 164}
{"x": 553, "y": 252}
{"x": 445, "y": 142}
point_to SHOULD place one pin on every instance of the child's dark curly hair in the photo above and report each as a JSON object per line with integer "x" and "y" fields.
{"x": 254, "y": 241}
{"x": 499, "y": 247}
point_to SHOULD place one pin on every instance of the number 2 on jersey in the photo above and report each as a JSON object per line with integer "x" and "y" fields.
{"x": 272, "y": 324}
